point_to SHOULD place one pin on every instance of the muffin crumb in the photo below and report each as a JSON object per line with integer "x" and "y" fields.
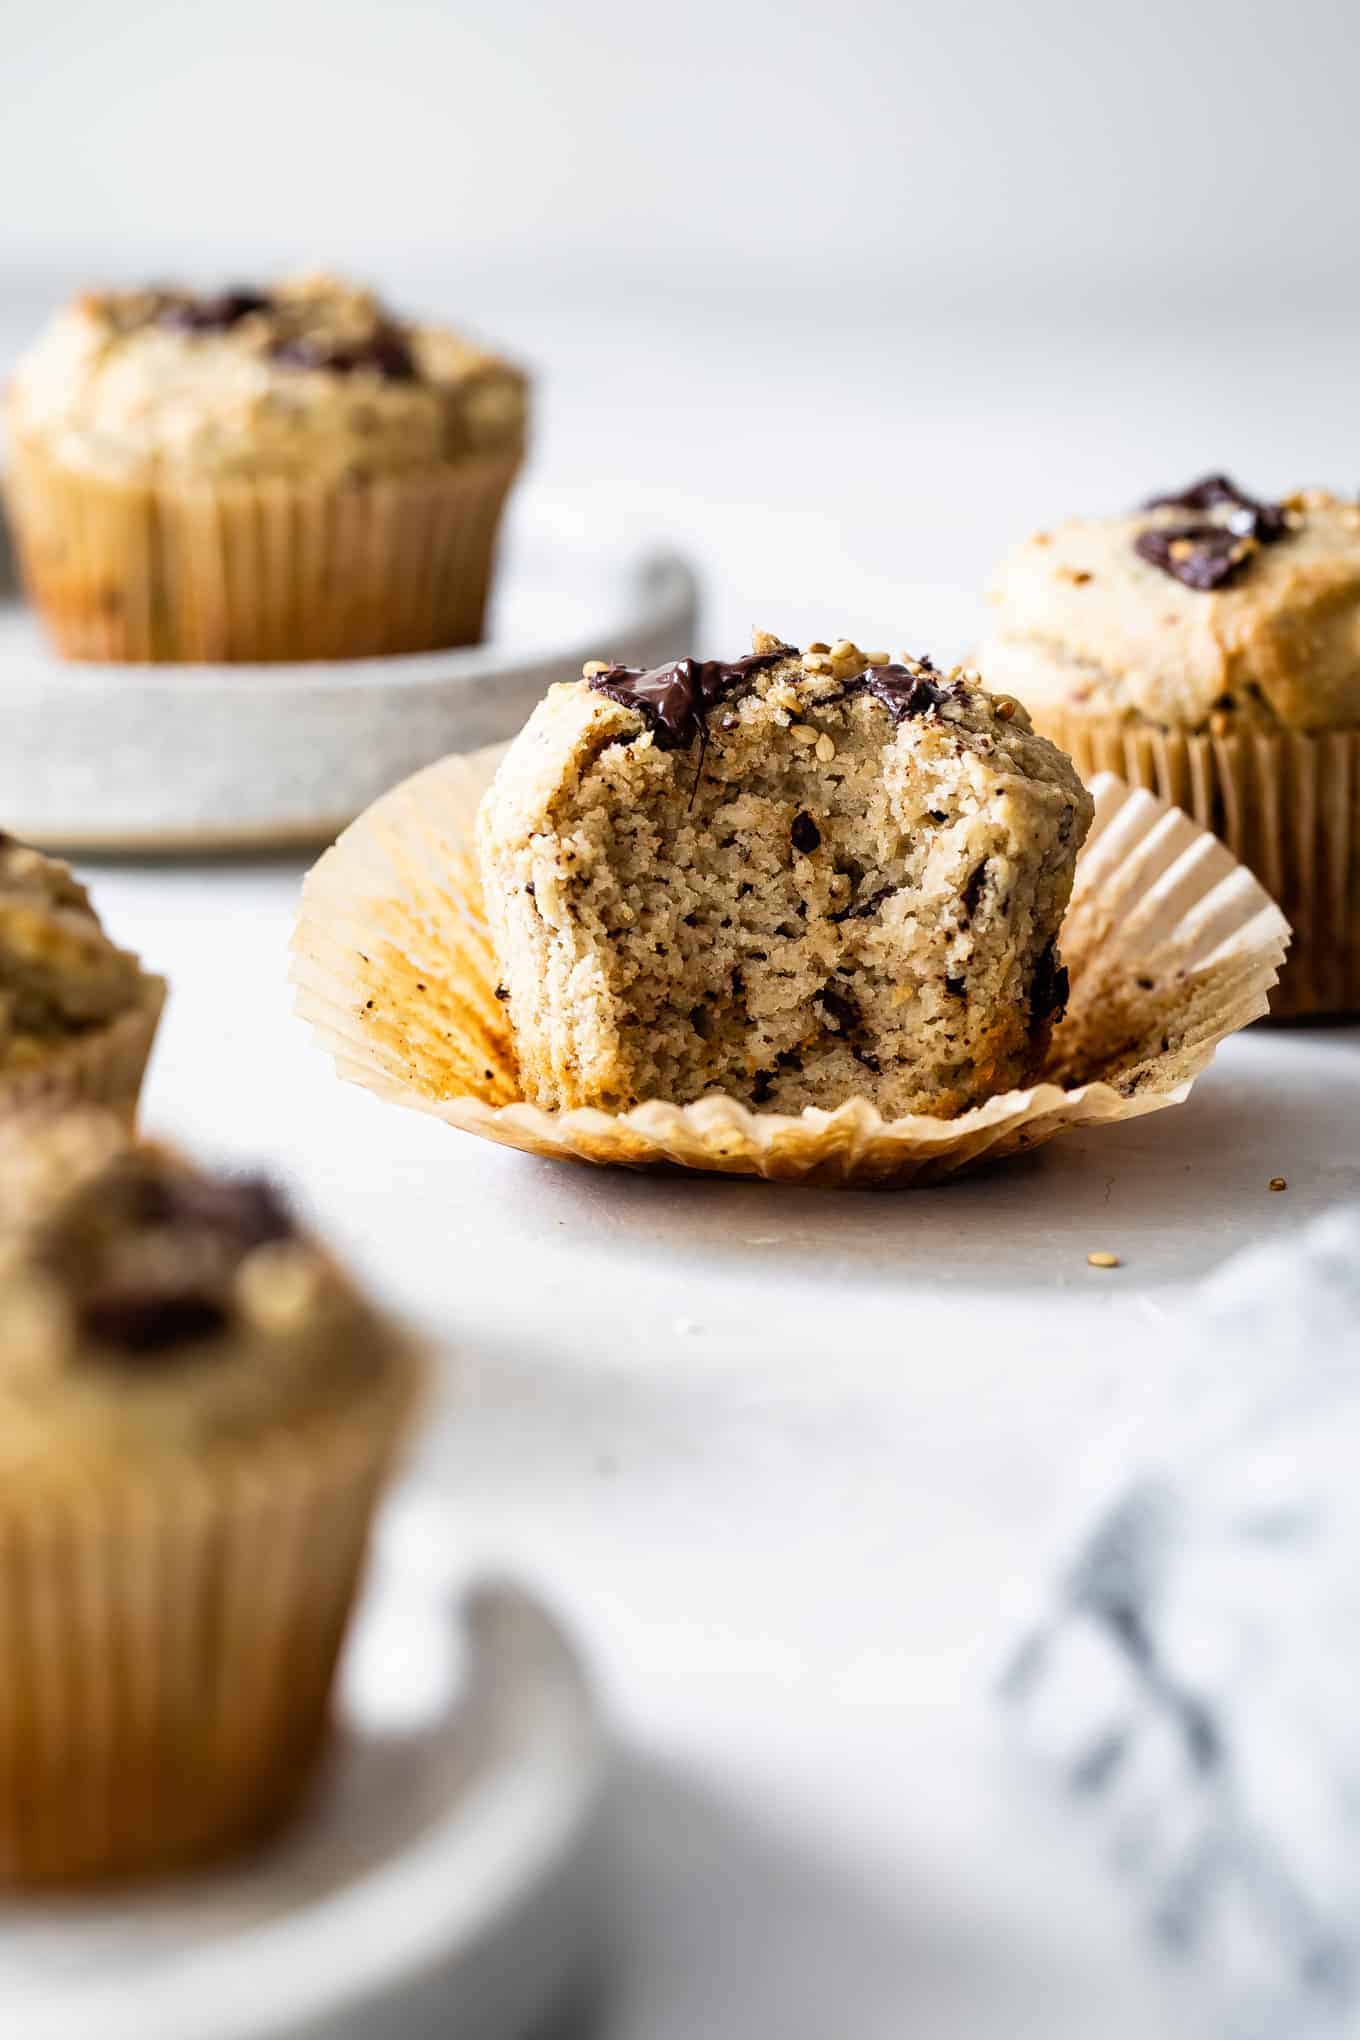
{"x": 794, "y": 879}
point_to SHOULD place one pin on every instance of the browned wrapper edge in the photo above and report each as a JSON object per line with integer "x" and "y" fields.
{"x": 241, "y": 571}
{"x": 1287, "y": 805}
{"x": 393, "y": 971}
{"x": 104, "y": 1065}
{"x": 170, "y": 1639}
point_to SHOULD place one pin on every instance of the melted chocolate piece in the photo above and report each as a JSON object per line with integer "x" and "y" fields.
{"x": 244, "y": 1211}
{"x": 805, "y": 835}
{"x": 1208, "y": 554}
{"x": 902, "y": 692}
{"x": 228, "y": 1217}
{"x": 386, "y": 353}
{"x": 211, "y": 314}
{"x": 142, "y": 1322}
{"x": 1049, "y": 991}
{"x": 1200, "y": 556}
{"x": 1246, "y": 516}
{"x": 678, "y": 699}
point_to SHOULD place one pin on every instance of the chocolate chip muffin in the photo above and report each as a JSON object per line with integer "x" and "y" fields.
{"x": 794, "y": 879}
{"x": 260, "y": 474}
{"x": 197, "y": 1409}
{"x": 1208, "y": 647}
{"x": 77, "y": 1014}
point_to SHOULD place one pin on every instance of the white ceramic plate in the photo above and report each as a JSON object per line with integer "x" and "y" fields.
{"x": 213, "y": 757}
{"x": 438, "y": 1884}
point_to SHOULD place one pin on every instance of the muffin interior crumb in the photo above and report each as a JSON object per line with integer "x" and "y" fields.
{"x": 802, "y": 908}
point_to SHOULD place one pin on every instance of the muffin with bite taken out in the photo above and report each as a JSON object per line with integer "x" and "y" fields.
{"x": 794, "y": 879}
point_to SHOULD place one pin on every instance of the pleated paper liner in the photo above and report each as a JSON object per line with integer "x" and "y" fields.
{"x": 168, "y": 1642}
{"x": 102, "y": 1065}
{"x": 257, "y": 571}
{"x": 1286, "y": 803}
{"x": 1171, "y": 945}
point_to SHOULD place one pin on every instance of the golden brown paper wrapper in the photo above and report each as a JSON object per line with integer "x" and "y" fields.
{"x": 245, "y": 571}
{"x": 1286, "y": 803}
{"x": 168, "y": 1640}
{"x": 1171, "y": 946}
{"x": 102, "y": 1066}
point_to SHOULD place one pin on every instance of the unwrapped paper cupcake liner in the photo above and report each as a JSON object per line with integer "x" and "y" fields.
{"x": 1170, "y": 944}
{"x": 168, "y": 1643}
{"x": 101, "y": 1065}
{"x": 1286, "y": 803}
{"x": 238, "y": 571}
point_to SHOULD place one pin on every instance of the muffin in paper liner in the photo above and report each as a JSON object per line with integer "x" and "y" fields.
{"x": 1286, "y": 803}
{"x": 101, "y": 1065}
{"x": 169, "y": 1639}
{"x": 248, "y": 571}
{"x": 1171, "y": 945}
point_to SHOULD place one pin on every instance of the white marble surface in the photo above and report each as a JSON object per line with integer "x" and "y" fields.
{"x": 791, "y": 1460}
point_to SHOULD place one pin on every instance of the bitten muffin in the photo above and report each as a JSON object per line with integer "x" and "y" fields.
{"x": 794, "y": 879}
{"x": 288, "y": 473}
{"x": 196, "y": 1412}
{"x": 77, "y": 1014}
{"x": 1208, "y": 647}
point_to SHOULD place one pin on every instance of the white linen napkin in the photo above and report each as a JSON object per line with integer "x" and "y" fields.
{"x": 1195, "y": 1680}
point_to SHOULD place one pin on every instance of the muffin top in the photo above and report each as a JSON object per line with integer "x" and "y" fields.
{"x": 148, "y": 1307}
{"x": 1201, "y": 605}
{"x": 59, "y": 972}
{"x": 313, "y": 378}
{"x": 672, "y": 706}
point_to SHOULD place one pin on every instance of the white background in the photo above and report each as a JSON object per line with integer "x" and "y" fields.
{"x": 843, "y": 299}
{"x": 1046, "y": 157}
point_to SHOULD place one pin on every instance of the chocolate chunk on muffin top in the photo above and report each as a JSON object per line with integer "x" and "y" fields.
{"x": 312, "y": 377}
{"x": 147, "y": 1304}
{"x": 792, "y": 879}
{"x": 1207, "y": 602}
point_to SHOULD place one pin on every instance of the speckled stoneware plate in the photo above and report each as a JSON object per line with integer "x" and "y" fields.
{"x": 188, "y": 758}
{"x": 440, "y": 1882}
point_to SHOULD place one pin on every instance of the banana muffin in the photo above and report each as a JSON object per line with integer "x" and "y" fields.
{"x": 77, "y": 1014}
{"x": 1208, "y": 647}
{"x": 260, "y": 474}
{"x": 198, "y": 1410}
{"x": 794, "y": 879}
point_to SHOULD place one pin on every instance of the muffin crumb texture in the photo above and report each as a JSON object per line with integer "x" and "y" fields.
{"x": 792, "y": 879}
